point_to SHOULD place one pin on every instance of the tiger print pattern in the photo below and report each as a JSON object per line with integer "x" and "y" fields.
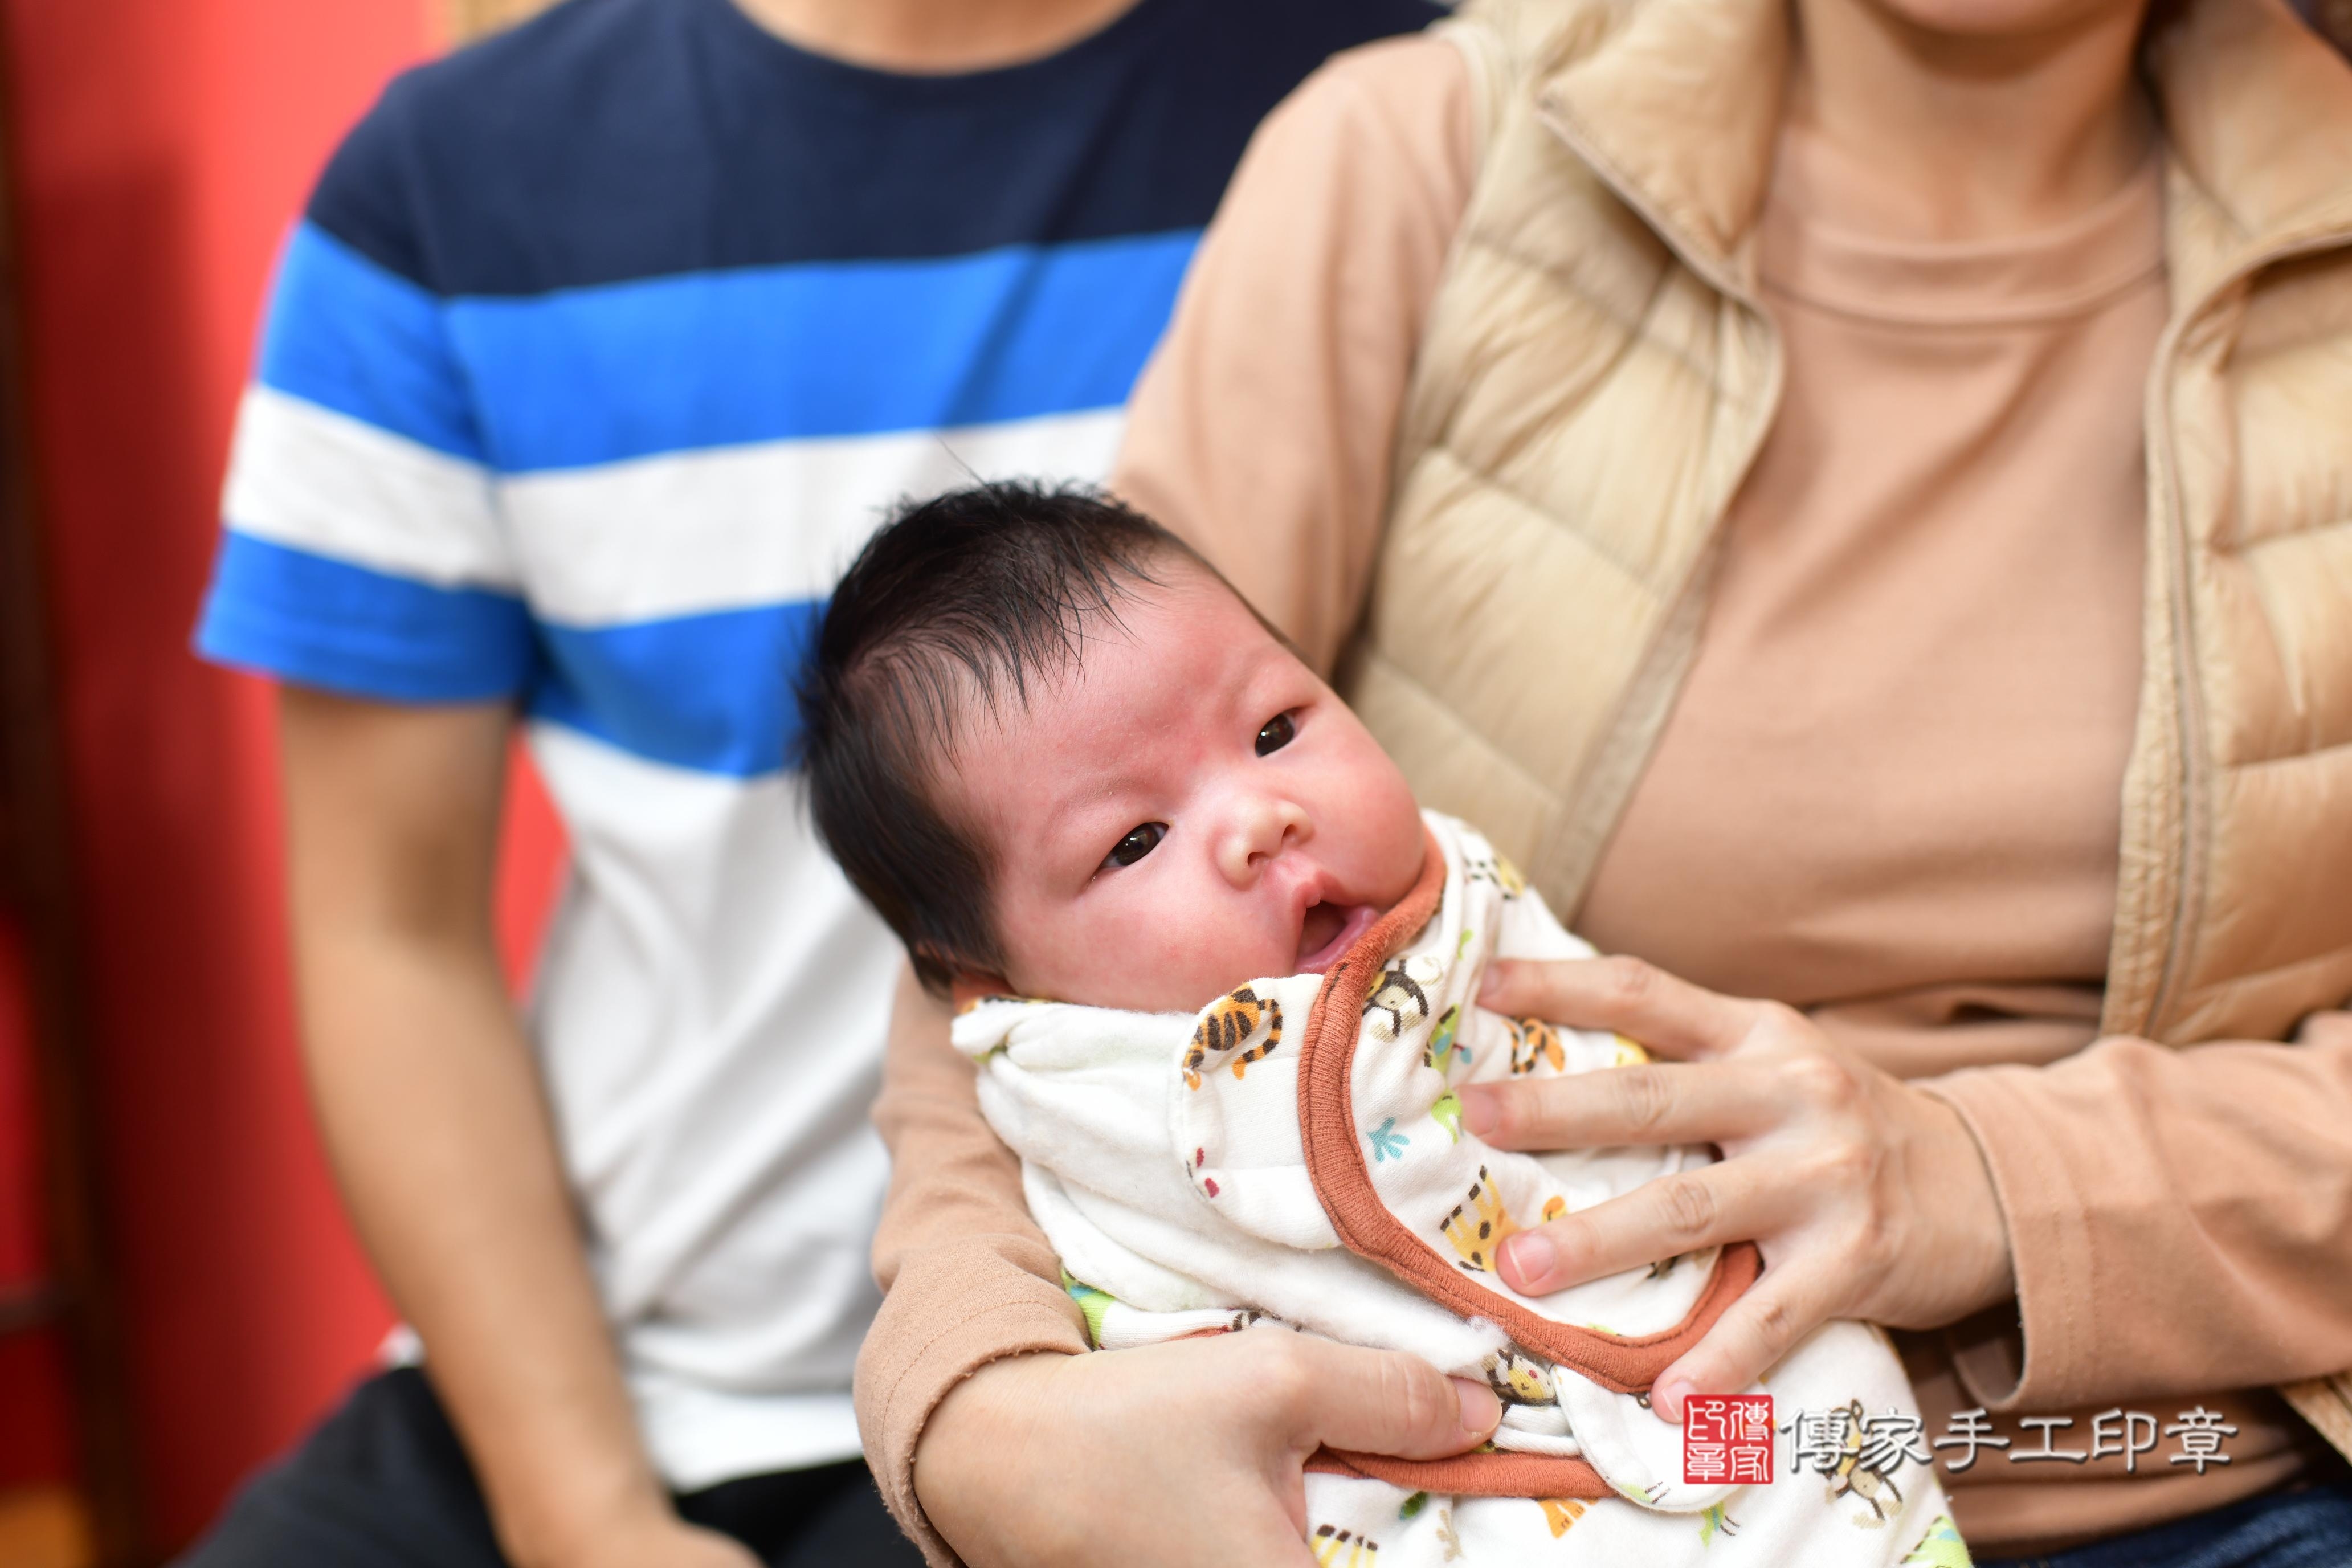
{"x": 1478, "y": 1224}
{"x": 1534, "y": 1041}
{"x": 1228, "y": 1026}
{"x": 1495, "y": 869}
{"x": 1337, "y": 1548}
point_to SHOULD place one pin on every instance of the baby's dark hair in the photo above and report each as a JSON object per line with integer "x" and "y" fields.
{"x": 971, "y": 595}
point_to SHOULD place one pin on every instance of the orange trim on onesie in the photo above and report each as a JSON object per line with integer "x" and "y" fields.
{"x": 1486, "y": 1473}
{"x": 1335, "y": 1163}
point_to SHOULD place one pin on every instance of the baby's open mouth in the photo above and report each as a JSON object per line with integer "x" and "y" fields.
{"x": 1328, "y": 932}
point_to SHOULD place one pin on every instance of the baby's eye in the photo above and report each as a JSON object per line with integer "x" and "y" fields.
{"x": 1138, "y": 844}
{"x": 1277, "y": 734}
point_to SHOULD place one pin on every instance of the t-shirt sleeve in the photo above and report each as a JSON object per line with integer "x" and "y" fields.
{"x": 362, "y": 552}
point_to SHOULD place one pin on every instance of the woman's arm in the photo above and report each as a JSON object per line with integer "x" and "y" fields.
{"x": 433, "y": 1112}
{"x": 2180, "y": 1219}
{"x": 1261, "y": 430}
{"x": 967, "y": 1276}
{"x": 2169, "y": 1221}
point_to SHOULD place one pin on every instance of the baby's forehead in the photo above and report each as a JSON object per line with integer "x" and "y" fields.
{"x": 1158, "y": 664}
{"x": 1174, "y": 623}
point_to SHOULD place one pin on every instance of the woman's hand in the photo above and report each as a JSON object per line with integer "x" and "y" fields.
{"x": 1178, "y": 1454}
{"x": 1869, "y": 1197}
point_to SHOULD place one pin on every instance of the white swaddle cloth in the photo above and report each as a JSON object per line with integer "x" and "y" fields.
{"x": 1294, "y": 1155}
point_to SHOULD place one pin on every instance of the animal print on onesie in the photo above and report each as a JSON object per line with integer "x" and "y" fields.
{"x": 1293, "y": 1159}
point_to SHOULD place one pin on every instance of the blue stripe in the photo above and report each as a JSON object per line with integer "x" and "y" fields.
{"x": 348, "y": 335}
{"x": 711, "y": 693}
{"x": 316, "y": 621}
{"x": 599, "y": 375}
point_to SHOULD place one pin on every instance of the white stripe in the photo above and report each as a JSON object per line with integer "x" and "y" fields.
{"x": 710, "y": 1012}
{"x": 307, "y": 477}
{"x": 727, "y": 528}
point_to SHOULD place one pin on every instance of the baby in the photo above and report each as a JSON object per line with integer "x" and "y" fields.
{"x": 1220, "y": 974}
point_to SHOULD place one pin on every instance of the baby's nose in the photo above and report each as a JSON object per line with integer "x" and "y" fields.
{"x": 1260, "y": 829}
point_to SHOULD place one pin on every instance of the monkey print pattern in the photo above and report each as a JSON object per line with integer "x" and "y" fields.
{"x": 1396, "y": 994}
{"x": 1336, "y": 1548}
{"x": 1227, "y": 1026}
{"x": 1533, "y": 1041}
{"x": 1852, "y": 1479}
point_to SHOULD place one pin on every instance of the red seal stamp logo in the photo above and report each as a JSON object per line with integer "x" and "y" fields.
{"x": 1727, "y": 1439}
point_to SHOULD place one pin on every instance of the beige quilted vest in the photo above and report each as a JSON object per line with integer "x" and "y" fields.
{"x": 1597, "y": 376}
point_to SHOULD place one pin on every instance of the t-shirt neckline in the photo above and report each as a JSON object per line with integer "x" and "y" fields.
{"x": 1113, "y": 38}
{"x": 2053, "y": 274}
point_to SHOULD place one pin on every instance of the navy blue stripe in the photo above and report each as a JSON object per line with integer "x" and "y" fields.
{"x": 711, "y": 693}
{"x": 624, "y": 139}
{"x": 799, "y": 353}
{"x": 349, "y": 335}
{"x": 316, "y": 621}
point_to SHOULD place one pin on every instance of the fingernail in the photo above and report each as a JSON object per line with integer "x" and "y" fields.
{"x": 1491, "y": 984}
{"x": 1667, "y": 1398}
{"x": 1481, "y": 1111}
{"x": 1481, "y": 1411}
{"x": 1531, "y": 1257}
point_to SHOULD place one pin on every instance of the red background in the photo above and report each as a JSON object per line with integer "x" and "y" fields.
{"x": 158, "y": 149}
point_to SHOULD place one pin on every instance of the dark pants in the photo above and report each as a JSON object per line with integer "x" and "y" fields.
{"x": 2310, "y": 1527}
{"x": 385, "y": 1484}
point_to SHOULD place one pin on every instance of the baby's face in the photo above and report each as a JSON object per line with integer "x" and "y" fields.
{"x": 1185, "y": 808}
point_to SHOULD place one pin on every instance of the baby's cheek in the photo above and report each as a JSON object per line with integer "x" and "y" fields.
{"x": 1394, "y": 840}
{"x": 1220, "y": 943}
{"x": 1176, "y": 952}
{"x": 1378, "y": 818}
{"x": 1217, "y": 946}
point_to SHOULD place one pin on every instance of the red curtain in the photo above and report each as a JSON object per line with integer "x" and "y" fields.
{"x": 157, "y": 150}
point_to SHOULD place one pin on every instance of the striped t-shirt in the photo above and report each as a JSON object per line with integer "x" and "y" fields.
{"x": 599, "y": 349}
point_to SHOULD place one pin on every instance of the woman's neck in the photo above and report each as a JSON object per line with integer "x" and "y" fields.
{"x": 1920, "y": 132}
{"x": 933, "y": 36}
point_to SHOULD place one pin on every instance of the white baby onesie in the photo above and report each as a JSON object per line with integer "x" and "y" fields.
{"x": 1292, "y": 1157}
